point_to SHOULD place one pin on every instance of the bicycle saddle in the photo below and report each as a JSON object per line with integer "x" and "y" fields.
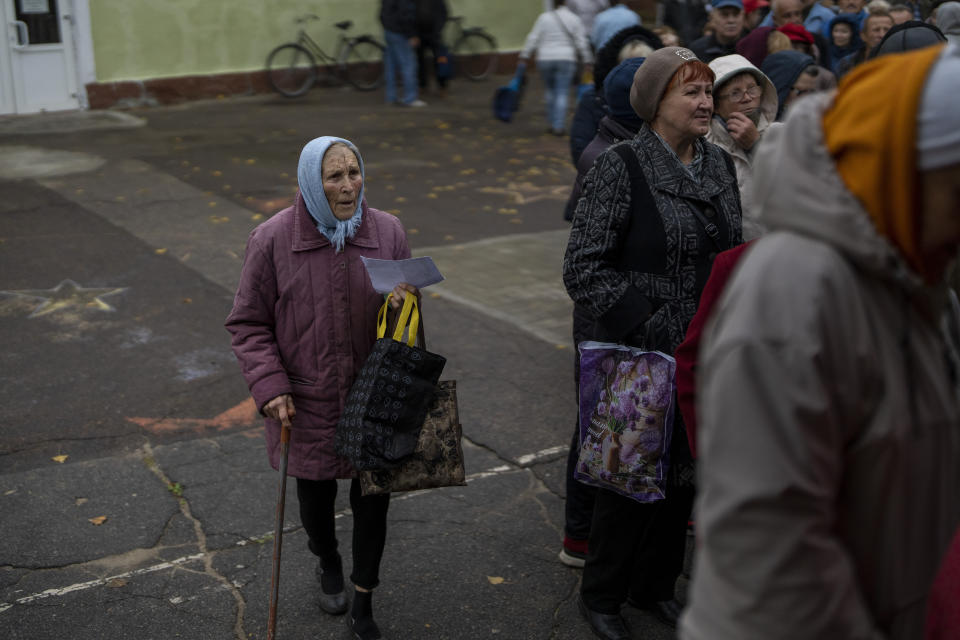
{"x": 346, "y": 24}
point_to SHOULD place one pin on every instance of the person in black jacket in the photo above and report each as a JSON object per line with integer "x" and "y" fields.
{"x": 431, "y": 18}
{"x": 654, "y": 213}
{"x": 727, "y": 18}
{"x": 399, "y": 20}
{"x": 631, "y": 42}
{"x": 621, "y": 123}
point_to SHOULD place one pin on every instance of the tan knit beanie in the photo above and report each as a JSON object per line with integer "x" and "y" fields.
{"x": 651, "y": 79}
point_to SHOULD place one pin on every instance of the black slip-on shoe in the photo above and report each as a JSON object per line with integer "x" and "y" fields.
{"x": 605, "y": 625}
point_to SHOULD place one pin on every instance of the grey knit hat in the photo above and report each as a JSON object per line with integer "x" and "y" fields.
{"x": 651, "y": 79}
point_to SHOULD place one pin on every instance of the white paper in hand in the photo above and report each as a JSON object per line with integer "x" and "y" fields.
{"x": 386, "y": 274}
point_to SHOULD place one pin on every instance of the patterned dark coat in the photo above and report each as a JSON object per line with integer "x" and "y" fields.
{"x": 636, "y": 274}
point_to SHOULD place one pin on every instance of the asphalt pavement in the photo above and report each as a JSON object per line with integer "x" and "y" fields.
{"x": 135, "y": 493}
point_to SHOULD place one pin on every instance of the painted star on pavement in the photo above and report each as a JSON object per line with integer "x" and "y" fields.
{"x": 67, "y": 294}
{"x": 526, "y": 192}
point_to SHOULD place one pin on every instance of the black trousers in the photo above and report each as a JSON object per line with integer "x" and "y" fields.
{"x": 317, "y": 498}
{"x": 578, "y": 508}
{"x": 636, "y": 549}
{"x": 423, "y": 71}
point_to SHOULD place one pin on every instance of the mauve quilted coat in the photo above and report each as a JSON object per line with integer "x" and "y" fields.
{"x": 303, "y": 322}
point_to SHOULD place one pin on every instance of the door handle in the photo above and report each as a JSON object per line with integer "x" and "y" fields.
{"x": 23, "y": 34}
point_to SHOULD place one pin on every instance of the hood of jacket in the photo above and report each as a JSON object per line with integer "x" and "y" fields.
{"x": 753, "y": 46}
{"x": 796, "y": 187}
{"x": 948, "y": 18}
{"x": 783, "y": 68}
{"x": 855, "y": 44}
{"x": 726, "y": 67}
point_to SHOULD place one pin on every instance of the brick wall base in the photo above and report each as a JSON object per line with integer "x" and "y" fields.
{"x": 156, "y": 91}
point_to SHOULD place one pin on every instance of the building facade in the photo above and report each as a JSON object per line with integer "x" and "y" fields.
{"x": 76, "y": 54}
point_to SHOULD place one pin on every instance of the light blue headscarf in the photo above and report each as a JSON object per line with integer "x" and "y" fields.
{"x": 310, "y": 179}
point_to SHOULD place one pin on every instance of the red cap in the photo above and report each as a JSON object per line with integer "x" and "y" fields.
{"x": 796, "y": 33}
{"x": 749, "y": 6}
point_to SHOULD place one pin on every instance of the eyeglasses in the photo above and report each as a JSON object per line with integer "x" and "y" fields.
{"x": 737, "y": 94}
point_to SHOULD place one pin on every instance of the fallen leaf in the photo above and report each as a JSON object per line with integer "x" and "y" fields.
{"x": 81, "y": 501}
{"x": 10, "y": 493}
{"x": 187, "y": 301}
{"x": 257, "y": 216}
{"x": 432, "y": 195}
{"x": 251, "y": 161}
{"x": 116, "y": 583}
{"x": 448, "y": 238}
{"x": 495, "y": 579}
{"x": 61, "y": 459}
{"x": 212, "y": 204}
{"x": 159, "y": 252}
{"x": 216, "y": 173}
{"x": 99, "y": 520}
{"x": 400, "y": 199}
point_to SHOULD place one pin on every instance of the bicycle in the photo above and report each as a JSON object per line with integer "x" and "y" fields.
{"x": 474, "y": 50}
{"x": 292, "y": 67}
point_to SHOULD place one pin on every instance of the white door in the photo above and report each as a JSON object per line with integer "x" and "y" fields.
{"x": 37, "y": 69}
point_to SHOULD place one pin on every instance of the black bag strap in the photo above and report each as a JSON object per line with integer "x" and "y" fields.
{"x": 712, "y": 230}
{"x": 641, "y": 198}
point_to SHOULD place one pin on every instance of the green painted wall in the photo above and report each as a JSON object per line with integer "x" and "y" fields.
{"x": 141, "y": 39}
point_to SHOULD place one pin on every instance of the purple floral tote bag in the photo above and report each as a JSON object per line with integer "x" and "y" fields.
{"x": 627, "y": 402}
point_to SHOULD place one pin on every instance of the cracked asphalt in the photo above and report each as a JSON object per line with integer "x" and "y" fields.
{"x": 135, "y": 494}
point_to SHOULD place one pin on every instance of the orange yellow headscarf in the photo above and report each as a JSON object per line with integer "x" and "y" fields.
{"x": 871, "y": 133}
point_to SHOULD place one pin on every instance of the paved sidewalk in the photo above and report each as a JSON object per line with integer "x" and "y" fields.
{"x": 136, "y": 497}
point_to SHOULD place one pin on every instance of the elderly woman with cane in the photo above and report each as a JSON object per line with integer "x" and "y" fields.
{"x": 654, "y": 213}
{"x": 303, "y": 322}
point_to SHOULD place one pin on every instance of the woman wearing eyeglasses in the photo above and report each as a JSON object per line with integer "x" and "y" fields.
{"x": 744, "y": 107}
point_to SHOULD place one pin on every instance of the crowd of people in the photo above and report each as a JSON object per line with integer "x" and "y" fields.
{"x": 785, "y": 241}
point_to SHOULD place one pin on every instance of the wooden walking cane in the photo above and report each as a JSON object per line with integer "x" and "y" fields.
{"x": 278, "y": 529}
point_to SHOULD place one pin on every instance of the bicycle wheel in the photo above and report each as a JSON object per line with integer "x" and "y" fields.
{"x": 291, "y": 70}
{"x": 475, "y": 55}
{"x": 362, "y": 63}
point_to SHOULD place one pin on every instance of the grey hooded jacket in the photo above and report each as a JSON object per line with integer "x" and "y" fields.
{"x": 830, "y": 433}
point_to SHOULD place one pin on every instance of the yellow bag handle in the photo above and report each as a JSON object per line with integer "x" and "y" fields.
{"x": 409, "y": 313}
